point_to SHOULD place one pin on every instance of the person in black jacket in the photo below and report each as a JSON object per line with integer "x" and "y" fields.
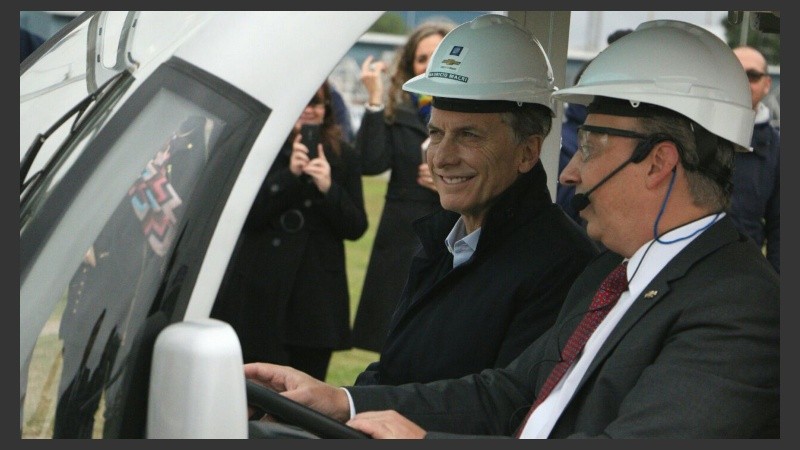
{"x": 286, "y": 293}
{"x": 390, "y": 138}
{"x": 756, "y": 197}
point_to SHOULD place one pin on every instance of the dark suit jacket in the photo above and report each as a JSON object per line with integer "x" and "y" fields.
{"x": 287, "y": 282}
{"x": 756, "y": 196}
{"x": 698, "y": 360}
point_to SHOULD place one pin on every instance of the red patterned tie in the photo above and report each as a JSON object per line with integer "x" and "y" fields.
{"x": 604, "y": 299}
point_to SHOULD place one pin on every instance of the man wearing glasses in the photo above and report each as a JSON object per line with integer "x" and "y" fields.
{"x": 755, "y": 201}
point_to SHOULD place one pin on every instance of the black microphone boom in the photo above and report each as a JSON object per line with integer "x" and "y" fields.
{"x": 580, "y": 201}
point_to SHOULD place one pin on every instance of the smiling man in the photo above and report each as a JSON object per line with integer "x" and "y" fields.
{"x": 495, "y": 266}
{"x": 475, "y": 157}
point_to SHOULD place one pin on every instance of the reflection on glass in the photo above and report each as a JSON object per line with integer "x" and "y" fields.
{"x": 109, "y": 296}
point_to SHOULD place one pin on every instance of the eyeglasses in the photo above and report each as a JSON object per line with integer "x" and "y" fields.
{"x": 589, "y": 149}
{"x": 754, "y": 76}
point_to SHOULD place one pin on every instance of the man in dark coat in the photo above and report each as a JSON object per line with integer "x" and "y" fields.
{"x": 456, "y": 321}
{"x": 684, "y": 340}
{"x": 497, "y": 262}
{"x": 756, "y": 197}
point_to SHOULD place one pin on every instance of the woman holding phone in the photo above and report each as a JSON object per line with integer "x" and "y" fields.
{"x": 298, "y": 312}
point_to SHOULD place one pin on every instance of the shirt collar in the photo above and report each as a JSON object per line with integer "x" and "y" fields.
{"x": 653, "y": 256}
{"x": 460, "y": 244}
{"x": 762, "y": 113}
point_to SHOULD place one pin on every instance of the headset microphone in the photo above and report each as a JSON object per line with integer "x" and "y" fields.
{"x": 579, "y": 202}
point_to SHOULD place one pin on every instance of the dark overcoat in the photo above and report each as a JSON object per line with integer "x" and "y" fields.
{"x": 452, "y": 322}
{"x": 287, "y": 282}
{"x": 756, "y": 196}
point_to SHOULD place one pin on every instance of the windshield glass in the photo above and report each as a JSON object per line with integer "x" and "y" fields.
{"x": 114, "y": 217}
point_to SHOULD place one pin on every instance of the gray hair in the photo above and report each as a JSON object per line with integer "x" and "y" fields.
{"x": 707, "y": 159}
{"x": 527, "y": 120}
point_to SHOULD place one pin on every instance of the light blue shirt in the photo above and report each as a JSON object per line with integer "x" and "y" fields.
{"x": 460, "y": 244}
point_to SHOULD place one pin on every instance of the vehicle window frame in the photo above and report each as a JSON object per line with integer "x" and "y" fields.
{"x": 245, "y": 117}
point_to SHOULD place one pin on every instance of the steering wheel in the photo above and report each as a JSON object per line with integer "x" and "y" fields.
{"x": 291, "y": 412}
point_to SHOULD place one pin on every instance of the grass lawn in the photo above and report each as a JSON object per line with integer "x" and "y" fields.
{"x": 345, "y": 365}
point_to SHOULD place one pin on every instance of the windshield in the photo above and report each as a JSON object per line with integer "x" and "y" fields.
{"x": 139, "y": 178}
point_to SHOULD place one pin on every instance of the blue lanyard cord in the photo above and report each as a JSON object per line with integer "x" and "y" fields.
{"x": 658, "y": 219}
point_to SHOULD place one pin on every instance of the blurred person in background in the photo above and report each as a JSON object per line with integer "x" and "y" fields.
{"x": 392, "y": 136}
{"x": 298, "y": 313}
{"x": 28, "y": 42}
{"x": 756, "y": 197}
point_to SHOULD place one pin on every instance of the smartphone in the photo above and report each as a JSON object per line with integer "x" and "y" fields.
{"x": 310, "y": 138}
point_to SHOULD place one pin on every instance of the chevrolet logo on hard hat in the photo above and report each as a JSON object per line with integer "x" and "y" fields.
{"x": 451, "y": 62}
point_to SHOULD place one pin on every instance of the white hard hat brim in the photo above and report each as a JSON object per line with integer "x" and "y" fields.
{"x": 717, "y": 121}
{"x": 515, "y": 91}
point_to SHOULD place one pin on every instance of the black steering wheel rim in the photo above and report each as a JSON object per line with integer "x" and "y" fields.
{"x": 290, "y": 412}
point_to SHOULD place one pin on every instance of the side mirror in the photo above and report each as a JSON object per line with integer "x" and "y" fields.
{"x": 197, "y": 384}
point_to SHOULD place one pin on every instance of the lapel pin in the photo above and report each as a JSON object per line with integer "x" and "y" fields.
{"x": 650, "y": 294}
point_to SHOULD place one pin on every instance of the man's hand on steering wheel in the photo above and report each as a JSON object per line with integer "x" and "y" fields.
{"x": 301, "y": 388}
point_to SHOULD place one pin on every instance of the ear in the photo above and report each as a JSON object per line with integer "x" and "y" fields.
{"x": 662, "y": 159}
{"x": 531, "y": 148}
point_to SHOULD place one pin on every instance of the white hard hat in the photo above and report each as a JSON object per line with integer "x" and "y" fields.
{"x": 489, "y": 58}
{"x": 678, "y": 66}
